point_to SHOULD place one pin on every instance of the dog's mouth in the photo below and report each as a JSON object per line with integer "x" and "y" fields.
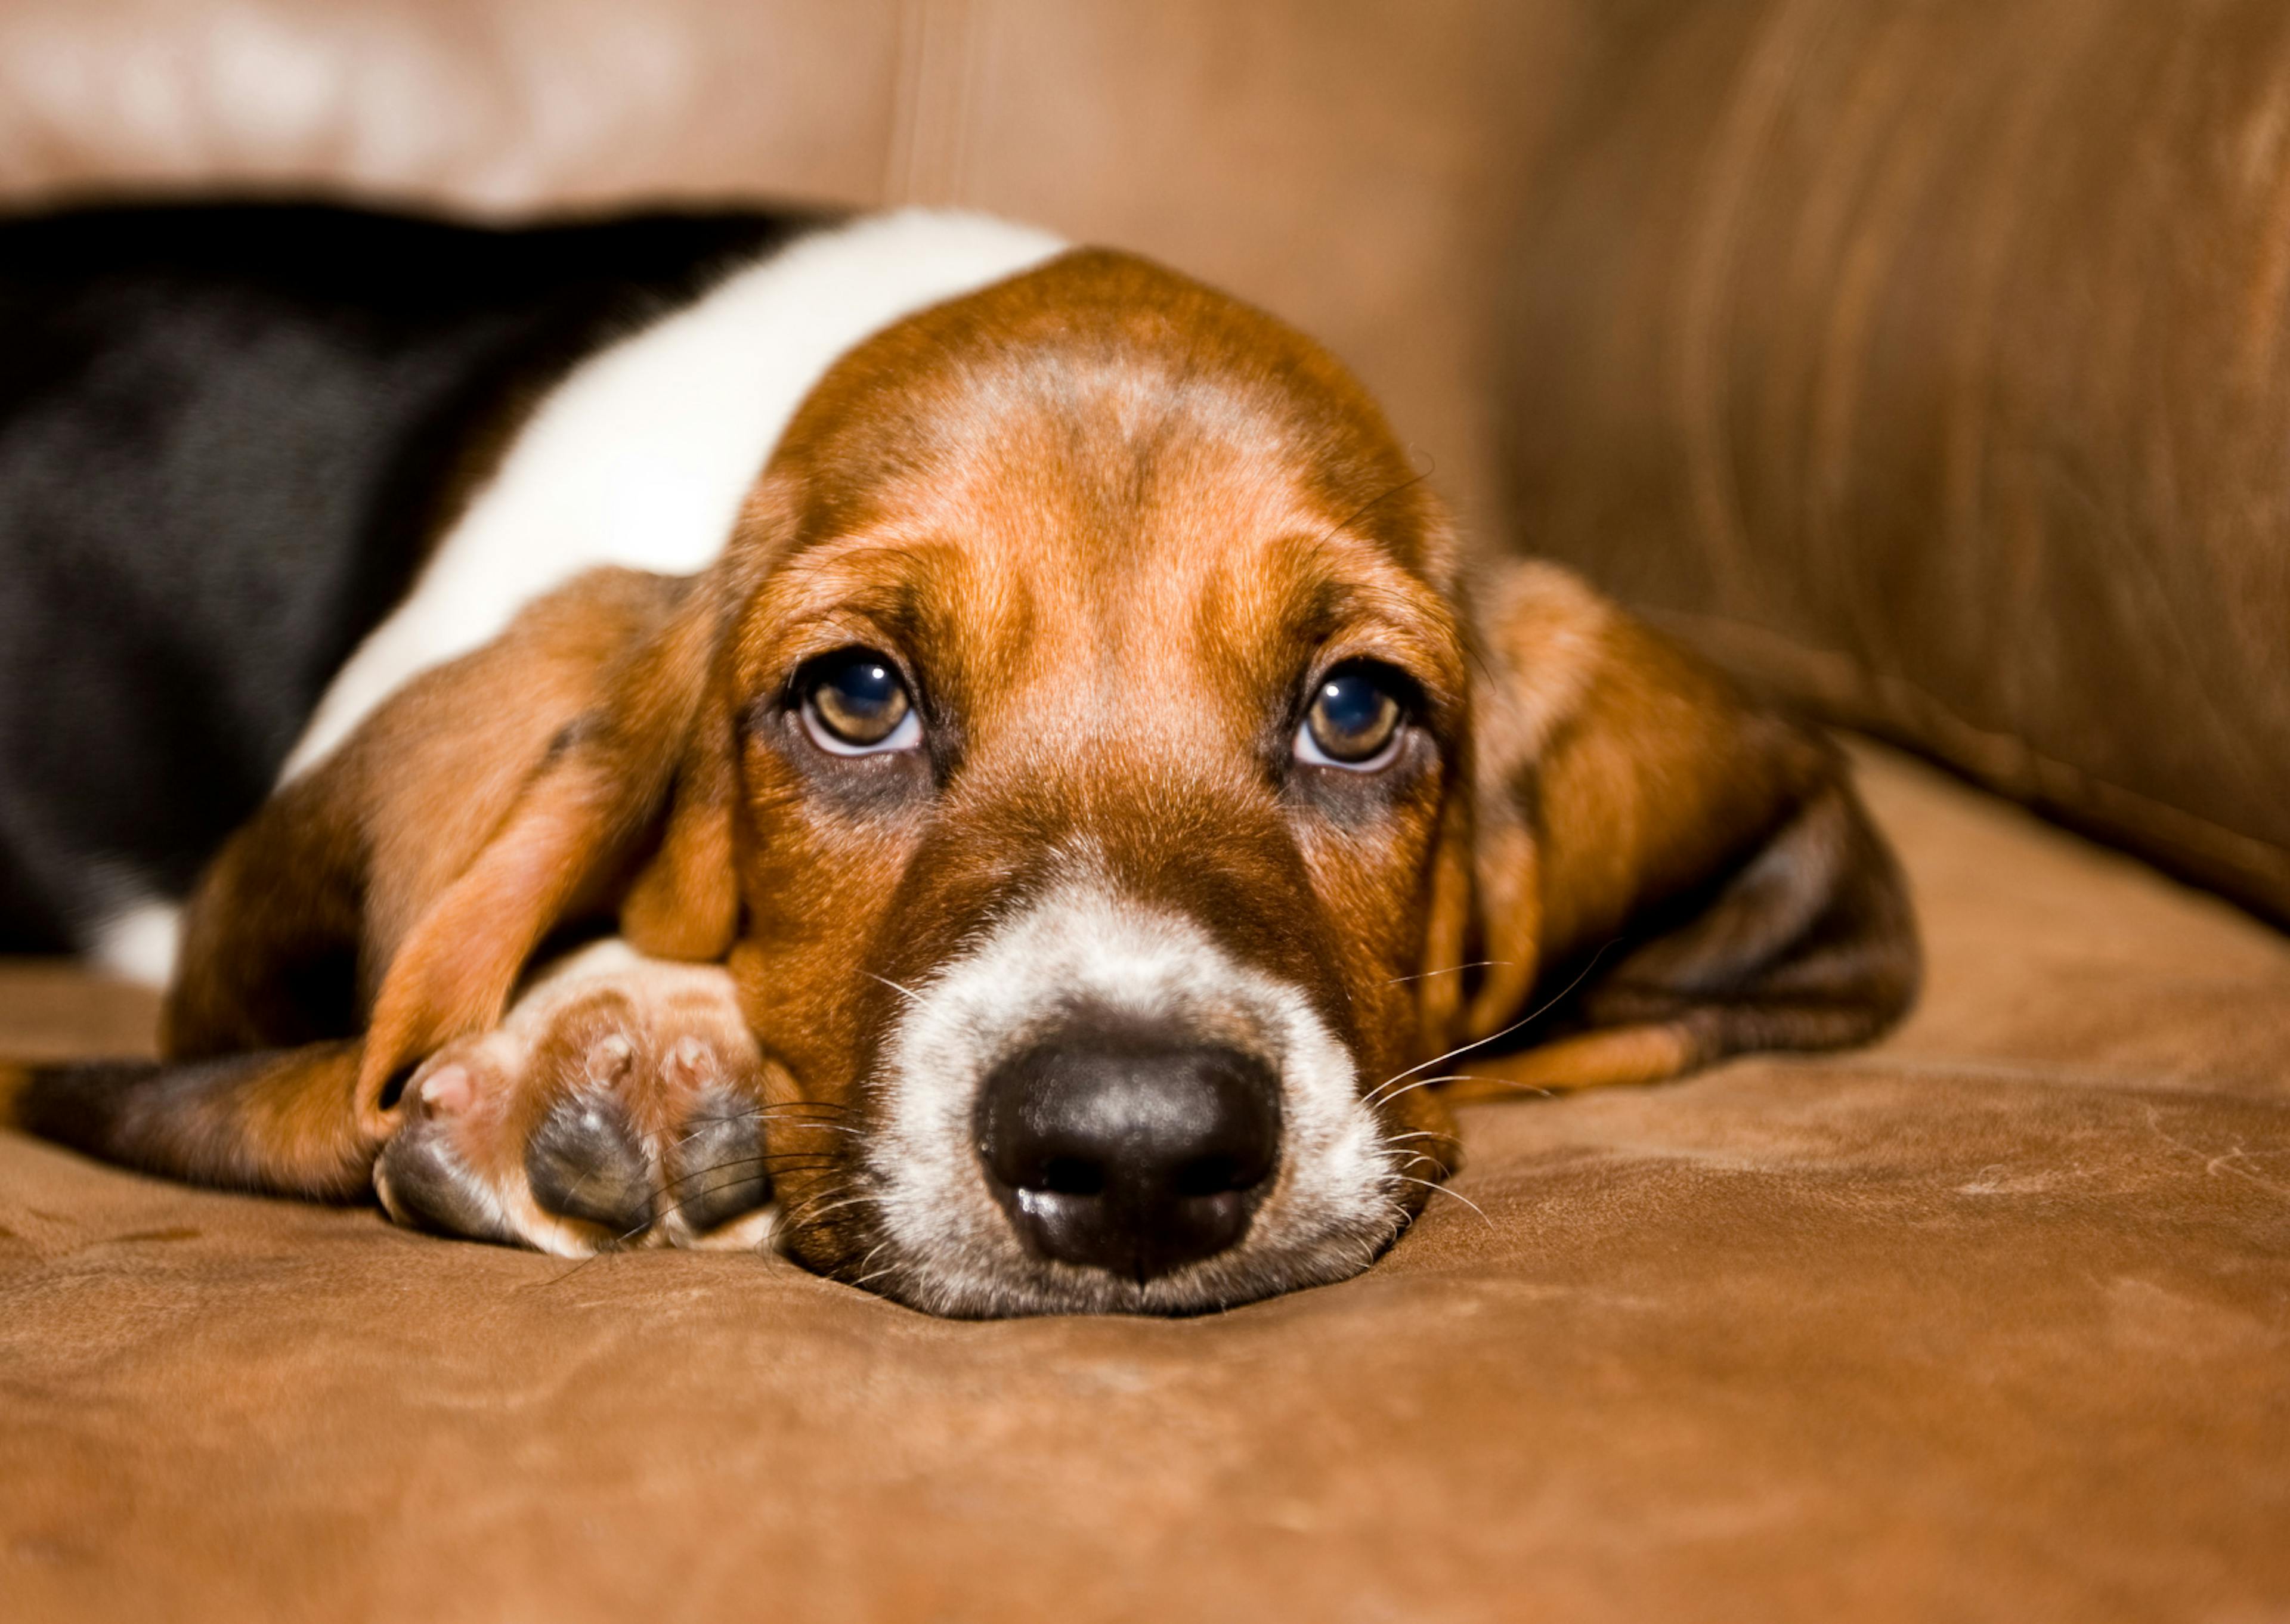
{"x": 1096, "y": 1109}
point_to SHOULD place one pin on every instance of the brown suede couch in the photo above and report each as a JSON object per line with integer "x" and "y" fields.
{"x": 1918, "y": 361}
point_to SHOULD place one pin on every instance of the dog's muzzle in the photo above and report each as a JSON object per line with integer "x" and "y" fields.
{"x": 1135, "y": 1152}
{"x": 1096, "y": 1108}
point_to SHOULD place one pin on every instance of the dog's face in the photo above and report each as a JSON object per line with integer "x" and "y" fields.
{"x": 1099, "y": 703}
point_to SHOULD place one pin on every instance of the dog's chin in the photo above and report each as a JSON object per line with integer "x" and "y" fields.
{"x": 952, "y": 1282}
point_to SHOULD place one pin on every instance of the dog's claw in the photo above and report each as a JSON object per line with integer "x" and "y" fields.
{"x": 445, "y": 1091}
{"x": 693, "y": 1062}
{"x": 608, "y": 1060}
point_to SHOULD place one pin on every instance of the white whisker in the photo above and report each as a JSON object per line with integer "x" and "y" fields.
{"x": 812, "y": 1215}
{"x": 1480, "y": 964}
{"x": 1375, "y": 1095}
{"x": 1443, "y": 1190}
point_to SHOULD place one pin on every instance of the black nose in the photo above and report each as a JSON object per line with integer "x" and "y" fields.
{"x": 1127, "y": 1154}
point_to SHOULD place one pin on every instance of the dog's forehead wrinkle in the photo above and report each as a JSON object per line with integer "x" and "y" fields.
{"x": 1149, "y": 392}
{"x": 1126, "y": 621}
{"x": 1144, "y": 451}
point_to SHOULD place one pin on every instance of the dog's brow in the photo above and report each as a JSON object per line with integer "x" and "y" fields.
{"x": 1377, "y": 501}
{"x": 1326, "y": 606}
{"x": 1350, "y": 591}
{"x": 869, "y": 588}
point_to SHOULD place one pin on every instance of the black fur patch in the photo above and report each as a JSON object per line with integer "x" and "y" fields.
{"x": 228, "y": 437}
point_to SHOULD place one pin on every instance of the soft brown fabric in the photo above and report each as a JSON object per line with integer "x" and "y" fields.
{"x": 1992, "y": 1322}
{"x": 1926, "y": 361}
{"x": 1347, "y": 164}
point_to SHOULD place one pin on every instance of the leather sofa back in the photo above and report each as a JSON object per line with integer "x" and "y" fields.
{"x": 1927, "y": 363}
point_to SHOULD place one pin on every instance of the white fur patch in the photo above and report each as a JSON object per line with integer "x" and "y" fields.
{"x": 642, "y": 455}
{"x": 138, "y": 943}
{"x": 1331, "y": 1208}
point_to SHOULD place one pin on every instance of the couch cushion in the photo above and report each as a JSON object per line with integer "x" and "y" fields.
{"x": 1989, "y": 1321}
{"x": 1926, "y": 362}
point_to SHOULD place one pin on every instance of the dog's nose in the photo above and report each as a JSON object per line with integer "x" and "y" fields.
{"x": 1129, "y": 1155}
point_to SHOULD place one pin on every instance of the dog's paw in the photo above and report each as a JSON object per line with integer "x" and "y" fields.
{"x": 620, "y": 1103}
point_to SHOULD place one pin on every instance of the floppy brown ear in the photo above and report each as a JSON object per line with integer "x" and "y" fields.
{"x": 583, "y": 812}
{"x": 388, "y": 901}
{"x": 1677, "y": 873}
{"x": 685, "y": 901}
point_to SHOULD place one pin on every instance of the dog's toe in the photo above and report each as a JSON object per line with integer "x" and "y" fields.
{"x": 585, "y": 1161}
{"x": 503, "y": 1141}
{"x": 718, "y": 1172}
{"x": 421, "y": 1176}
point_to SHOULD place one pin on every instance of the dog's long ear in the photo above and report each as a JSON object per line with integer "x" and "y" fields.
{"x": 1677, "y": 873}
{"x": 581, "y": 806}
{"x": 388, "y": 901}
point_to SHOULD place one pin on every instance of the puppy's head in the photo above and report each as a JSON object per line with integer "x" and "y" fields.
{"x": 1095, "y": 707}
{"x": 1115, "y": 781}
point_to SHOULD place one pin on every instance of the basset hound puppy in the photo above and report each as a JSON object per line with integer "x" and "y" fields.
{"x": 980, "y": 764}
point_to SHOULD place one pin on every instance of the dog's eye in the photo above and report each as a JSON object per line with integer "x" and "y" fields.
{"x": 854, "y": 703}
{"x": 1354, "y": 721}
